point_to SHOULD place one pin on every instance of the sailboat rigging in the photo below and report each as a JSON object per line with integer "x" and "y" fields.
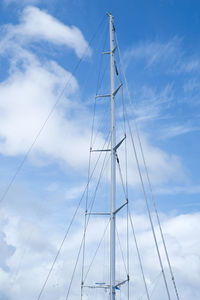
{"x": 113, "y": 152}
{"x": 113, "y": 284}
{"x": 111, "y": 148}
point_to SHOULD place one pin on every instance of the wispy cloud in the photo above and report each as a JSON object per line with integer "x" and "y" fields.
{"x": 176, "y": 130}
{"x": 150, "y": 103}
{"x": 154, "y": 52}
{"x": 190, "y": 65}
{"x": 174, "y": 190}
{"x": 169, "y": 56}
{"x": 192, "y": 85}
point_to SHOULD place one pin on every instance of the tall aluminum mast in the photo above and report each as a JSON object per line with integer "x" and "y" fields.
{"x": 113, "y": 211}
{"x": 113, "y": 163}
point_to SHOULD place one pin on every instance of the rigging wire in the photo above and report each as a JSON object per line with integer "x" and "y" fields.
{"x": 69, "y": 226}
{"x": 88, "y": 76}
{"x": 99, "y": 82}
{"x": 126, "y": 183}
{"x": 134, "y": 235}
{"x": 147, "y": 175}
{"x": 145, "y": 195}
{"x": 93, "y": 200}
{"x": 127, "y": 207}
{"x": 139, "y": 256}
{"x": 22, "y": 162}
{"x": 86, "y": 202}
{"x": 154, "y": 283}
{"x": 87, "y": 194}
{"x": 148, "y": 208}
{"x": 137, "y": 248}
{"x": 14, "y": 273}
{"x": 96, "y": 251}
{"x": 122, "y": 253}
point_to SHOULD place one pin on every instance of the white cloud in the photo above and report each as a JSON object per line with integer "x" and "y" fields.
{"x": 27, "y": 96}
{"x": 181, "y": 234}
{"x": 31, "y": 90}
{"x": 6, "y": 252}
{"x": 163, "y": 167}
{"x": 37, "y": 25}
{"x": 27, "y": 99}
{"x": 74, "y": 192}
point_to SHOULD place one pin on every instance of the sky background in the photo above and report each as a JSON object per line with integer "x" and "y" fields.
{"x": 41, "y": 43}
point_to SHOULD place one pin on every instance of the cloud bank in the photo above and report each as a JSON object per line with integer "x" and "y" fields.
{"x": 26, "y": 280}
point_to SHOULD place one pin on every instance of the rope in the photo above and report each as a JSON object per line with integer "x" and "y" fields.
{"x": 154, "y": 283}
{"x": 99, "y": 83}
{"x": 136, "y": 244}
{"x": 148, "y": 179}
{"x": 145, "y": 197}
{"x": 94, "y": 196}
{"x": 68, "y": 229}
{"x": 157, "y": 215}
{"x": 122, "y": 254}
{"x": 126, "y": 185}
{"x": 139, "y": 257}
{"x": 86, "y": 203}
{"x": 96, "y": 251}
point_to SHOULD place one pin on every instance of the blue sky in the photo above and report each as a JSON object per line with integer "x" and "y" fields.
{"x": 40, "y": 44}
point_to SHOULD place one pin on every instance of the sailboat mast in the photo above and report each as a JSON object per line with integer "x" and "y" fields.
{"x": 113, "y": 164}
